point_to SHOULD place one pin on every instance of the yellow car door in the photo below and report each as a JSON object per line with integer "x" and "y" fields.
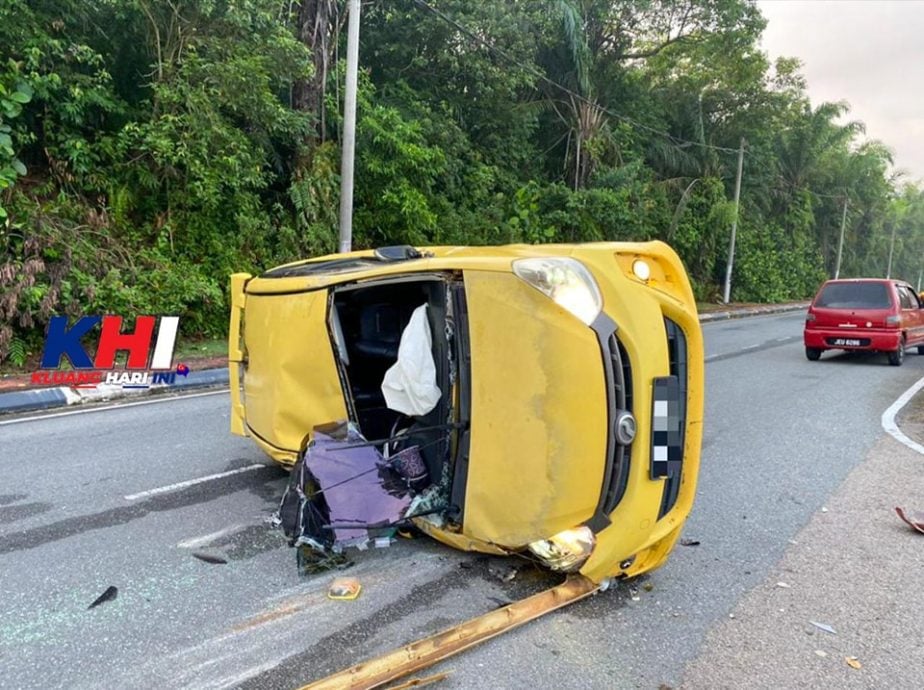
{"x": 289, "y": 374}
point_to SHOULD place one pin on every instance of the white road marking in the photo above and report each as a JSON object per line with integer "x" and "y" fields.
{"x": 103, "y": 408}
{"x": 196, "y": 542}
{"x": 191, "y": 482}
{"x": 888, "y": 418}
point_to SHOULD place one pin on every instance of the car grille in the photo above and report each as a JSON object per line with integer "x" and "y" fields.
{"x": 677, "y": 353}
{"x": 615, "y": 486}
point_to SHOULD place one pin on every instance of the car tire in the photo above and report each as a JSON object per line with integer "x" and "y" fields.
{"x": 898, "y": 356}
{"x": 921, "y": 349}
{"x": 813, "y": 354}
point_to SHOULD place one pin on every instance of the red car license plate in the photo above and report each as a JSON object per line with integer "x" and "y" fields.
{"x": 848, "y": 342}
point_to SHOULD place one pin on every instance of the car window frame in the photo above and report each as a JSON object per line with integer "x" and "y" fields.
{"x": 907, "y": 299}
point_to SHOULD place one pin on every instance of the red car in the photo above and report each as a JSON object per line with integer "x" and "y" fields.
{"x": 865, "y": 314}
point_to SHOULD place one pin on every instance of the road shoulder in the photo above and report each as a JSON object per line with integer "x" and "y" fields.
{"x": 854, "y": 567}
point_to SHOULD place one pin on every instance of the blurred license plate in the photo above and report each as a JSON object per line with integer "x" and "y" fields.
{"x": 848, "y": 342}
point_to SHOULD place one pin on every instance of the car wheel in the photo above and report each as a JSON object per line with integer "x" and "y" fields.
{"x": 898, "y": 356}
{"x": 813, "y": 353}
{"x": 921, "y": 349}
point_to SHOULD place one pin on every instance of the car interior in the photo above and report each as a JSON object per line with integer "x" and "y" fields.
{"x": 366, "y": 324}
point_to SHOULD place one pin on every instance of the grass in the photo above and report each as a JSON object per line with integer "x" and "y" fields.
{"x": 209, "y": 347}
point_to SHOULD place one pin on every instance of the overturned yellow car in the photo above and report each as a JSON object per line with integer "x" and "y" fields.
{"x": 569, "y": 379}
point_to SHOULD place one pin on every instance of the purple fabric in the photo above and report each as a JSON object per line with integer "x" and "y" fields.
{"x": 359, "y": 489}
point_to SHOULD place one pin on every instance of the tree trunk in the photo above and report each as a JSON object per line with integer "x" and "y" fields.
{"x": 315, "y": 30}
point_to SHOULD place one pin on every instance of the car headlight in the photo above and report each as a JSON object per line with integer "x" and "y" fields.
{"x": 566, "y": 551}
{"x": 566, "y": 281}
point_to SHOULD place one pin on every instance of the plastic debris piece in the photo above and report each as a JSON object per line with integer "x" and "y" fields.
{"x": 732, "y": 616}
{"x": 210, "y": 557}
{"x": 344, "y": 589}
{"x": 783, "y": 585}
{"x": 823, "y": 509}
{"x": 821, "y": 653}
{"x": 689, "y": 542}
{"x": 110, "y": 594}
{"x": 824, "y": 626}
{"x": 648, "y": 586}
{"x": 914, "y": 519}
{"x": 853, "y": 662}
{"x": 382, "y": 542}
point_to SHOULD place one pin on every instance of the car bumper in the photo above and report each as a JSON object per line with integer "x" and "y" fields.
{"x": 840, "y": 339}
{"x": 658, "y": 329}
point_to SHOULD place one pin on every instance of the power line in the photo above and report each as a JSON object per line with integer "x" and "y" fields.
{"x": 542, "y": 77}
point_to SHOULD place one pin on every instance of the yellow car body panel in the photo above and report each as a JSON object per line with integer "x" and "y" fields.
{"x": 291, "y": 381}
{"x": 539, "y": 416}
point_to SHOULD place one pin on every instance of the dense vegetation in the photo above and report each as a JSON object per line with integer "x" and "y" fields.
{"x": 150, "y": 147}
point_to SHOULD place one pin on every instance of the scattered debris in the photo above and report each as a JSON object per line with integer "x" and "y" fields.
{"x": 689, "y": 542}
{"x": 824, "y": 626}
{"x": 823, "y": 509}
{"x": 821, "y": 653}
{"x": 109, "y": 595}
{"x": 210, "y": 557}
{"x": 502, "y": 571}
{"x": 344, "y": 589}
{"x": 732, "y": 616}
{"x": 783, "y": 585}
{"x": 423, "y": 653}
{"x": 633, "y": 593}
{"x": 914, "y": 519}
{"x": 648, "y": 586}
{"x": 310, "y": 559}
{"x": 420, "y": 682}
{"x": 853, "y": 662}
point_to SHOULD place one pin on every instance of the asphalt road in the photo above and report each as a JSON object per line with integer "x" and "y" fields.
{"x": 90, "y": 500}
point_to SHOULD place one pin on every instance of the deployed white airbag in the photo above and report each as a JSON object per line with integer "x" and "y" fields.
{"x": 409, "y": 385}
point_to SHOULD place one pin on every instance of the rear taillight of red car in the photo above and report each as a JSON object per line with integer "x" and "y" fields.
{"x": 893, "y": 321}
{"x": 810, "y": 318}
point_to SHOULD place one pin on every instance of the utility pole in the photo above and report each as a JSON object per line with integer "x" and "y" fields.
{"x": 734, "y": 228}
{"x": 349, "y": 129}
{"x": 840, "y": 243}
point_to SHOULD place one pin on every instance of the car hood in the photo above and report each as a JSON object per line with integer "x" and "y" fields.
{"x": 538, "y": 414}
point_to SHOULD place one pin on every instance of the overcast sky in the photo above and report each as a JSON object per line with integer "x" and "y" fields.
{"x": 867, "y": 52}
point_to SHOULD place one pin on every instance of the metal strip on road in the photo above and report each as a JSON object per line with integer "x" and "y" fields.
{"x": 888, "y": 418}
